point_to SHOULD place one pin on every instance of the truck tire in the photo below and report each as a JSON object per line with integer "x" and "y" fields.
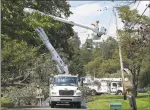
{"x": 53, "y": 105}
{"x": 119, "y": 92}
{"x": 71, "y": 105}
{"x": 49, "y": 103}
{"x": 78, "y": 104}
{"x": 93, "y": 92}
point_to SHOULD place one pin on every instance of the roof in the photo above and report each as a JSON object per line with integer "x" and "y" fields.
{"x": 66, "y": 75}
{"x": 111, "y": 79}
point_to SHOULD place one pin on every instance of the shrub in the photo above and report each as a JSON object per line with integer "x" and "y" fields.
{"x": 5, "y": 102}
{"x": 86, "y": 93}
{"x": 148, "y": 90}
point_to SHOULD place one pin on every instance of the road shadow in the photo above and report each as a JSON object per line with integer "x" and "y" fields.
{"x": 67, "y": 106}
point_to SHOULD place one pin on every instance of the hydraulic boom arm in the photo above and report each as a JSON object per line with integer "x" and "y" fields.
{"x": 61, "y": 66}
{"x": 99, "y": 32}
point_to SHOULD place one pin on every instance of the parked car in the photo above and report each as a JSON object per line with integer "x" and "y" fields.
{"x": 141, "y": 90}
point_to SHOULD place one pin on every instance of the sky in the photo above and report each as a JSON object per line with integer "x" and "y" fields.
{"x": 87, "y": 12}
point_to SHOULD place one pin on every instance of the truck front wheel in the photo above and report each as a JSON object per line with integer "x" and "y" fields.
{"x": 53, "y": 104}
{"x": 119, "y": 92}
{"x": 78, "y": 104}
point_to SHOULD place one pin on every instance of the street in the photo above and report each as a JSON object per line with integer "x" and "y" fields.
{"x": 49, "y": 108}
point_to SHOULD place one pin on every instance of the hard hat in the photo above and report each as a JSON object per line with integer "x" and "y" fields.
{"x": 97, "y": 21}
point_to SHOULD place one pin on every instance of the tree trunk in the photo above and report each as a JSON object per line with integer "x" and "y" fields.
{"x": 134, "y": 86}
{"x": 6, "y": 84}
{"x": 135, "y": 73}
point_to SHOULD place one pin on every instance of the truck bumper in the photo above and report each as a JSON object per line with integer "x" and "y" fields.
{"x": 65, "y": 99}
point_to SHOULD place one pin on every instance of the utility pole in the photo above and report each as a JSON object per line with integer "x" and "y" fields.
{"x": 120, "y": 56}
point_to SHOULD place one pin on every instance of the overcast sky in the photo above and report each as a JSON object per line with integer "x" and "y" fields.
{"x": 86, "y": 12}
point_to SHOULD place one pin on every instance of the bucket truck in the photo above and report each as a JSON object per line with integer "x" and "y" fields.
{"x": 64, "y": 88}
{"x": 97, "y": 31}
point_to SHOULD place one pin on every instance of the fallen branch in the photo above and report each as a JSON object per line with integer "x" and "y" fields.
{"x": 6, "y": 84}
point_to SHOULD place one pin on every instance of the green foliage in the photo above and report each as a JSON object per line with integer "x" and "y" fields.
{"x": 76, "y": 63}
{"x": 103, "y": 102}
{"x": 109, "y": 66}
{"x": 43, "y": 68}
{"x": 23, "y": 52}
{"x": 135, "y": 44}
{"x": 17, "y": 25}
{"x": 148, "y": 90}
{"x": 108, "y": 47}
{"x": 86, "y": 93}
{"x": 5, "y": 102}
{"x": 93, "y": 66}
{"x": 113, "y": 75}
{"x": 22, "y": 96}
{"x": 16, "y": 57}
{"x": 103, "y": 60}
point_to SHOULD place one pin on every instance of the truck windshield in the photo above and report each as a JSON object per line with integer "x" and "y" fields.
{"x": 65, "y": 81}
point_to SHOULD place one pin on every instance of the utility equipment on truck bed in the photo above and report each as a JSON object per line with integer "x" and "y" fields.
{"x": 64, "y": 87}
{"x": 105, "y": 85}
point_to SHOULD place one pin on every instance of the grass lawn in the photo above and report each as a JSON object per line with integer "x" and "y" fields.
{"x": 102, "y": 102}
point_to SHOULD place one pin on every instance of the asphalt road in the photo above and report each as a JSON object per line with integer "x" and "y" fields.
{"x": 45, "y": 106}
{"x": 49, "y": 108}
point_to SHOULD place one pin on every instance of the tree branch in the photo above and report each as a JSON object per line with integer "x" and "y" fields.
{"x": 15, "y": 79}
{"x": 6, "y": 84}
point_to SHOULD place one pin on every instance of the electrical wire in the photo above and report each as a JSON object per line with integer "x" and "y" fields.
{"x": 138, "y": 4}
{"x": 110, "y": 21}
{"x": 135, "y": 8}
{"x": 85, "y": 4}
{"x": 140, "y": 17}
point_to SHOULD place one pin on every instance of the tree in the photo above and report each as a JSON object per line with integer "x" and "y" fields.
{"x": 18, "y": 25}
{"x": 25, "y": 60}
{"x": 135, "y": 41}
{"x": 93, "y": 66}
{"x": 17, "y": 56}
{"x": 108, "y": 47}
{"x": 19, "y": 37}
{"x": 104, "y": 59}
{"x": 76, "y": 62}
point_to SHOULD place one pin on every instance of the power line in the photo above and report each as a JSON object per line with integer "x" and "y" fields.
{"x": 138, "y": 4}
{"x": 85, "y": 4}
{"x": 135, "y": 8}
{"x": 140, "y": 16}
{"x": 109, "y": 21}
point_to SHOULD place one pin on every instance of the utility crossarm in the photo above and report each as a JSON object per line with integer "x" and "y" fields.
{"x": 61, "y": 66}
{"x": 99, "y": 32}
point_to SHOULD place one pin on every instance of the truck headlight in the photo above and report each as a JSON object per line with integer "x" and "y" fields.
{"x": 78, "y": 93}
{"x": 53, "y": 93}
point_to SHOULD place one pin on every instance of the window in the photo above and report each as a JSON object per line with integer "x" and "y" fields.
{"x": 65, "y": 81}
{"x": 119, "y": 85}
{"x": 114, "y": 84}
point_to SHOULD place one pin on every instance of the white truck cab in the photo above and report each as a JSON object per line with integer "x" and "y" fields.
{"x": 104, "y": 85}
{"x": 111, "y": 85}
{"x": 65, "y": 89}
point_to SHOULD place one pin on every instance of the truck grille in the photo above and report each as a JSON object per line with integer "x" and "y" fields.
{"x": 66, "y": 92}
